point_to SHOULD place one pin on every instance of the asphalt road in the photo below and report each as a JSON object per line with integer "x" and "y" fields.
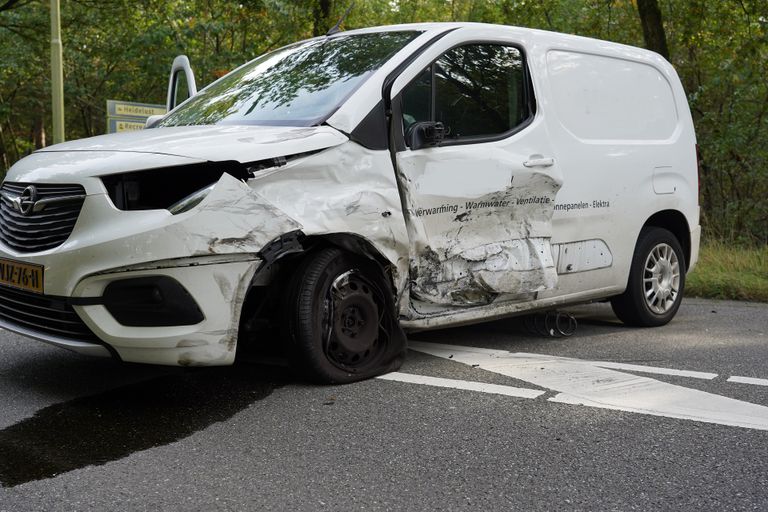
{"x": 91, "y": 434}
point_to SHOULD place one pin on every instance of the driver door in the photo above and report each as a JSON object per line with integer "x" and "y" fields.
{"x": 478, "y": 177}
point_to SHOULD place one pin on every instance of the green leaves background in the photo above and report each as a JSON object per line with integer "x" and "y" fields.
{"x": 122, "y": 50}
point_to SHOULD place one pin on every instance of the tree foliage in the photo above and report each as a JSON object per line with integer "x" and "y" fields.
{"x": 122, "y": 50}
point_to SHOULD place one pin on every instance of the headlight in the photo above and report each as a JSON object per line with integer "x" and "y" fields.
{"x": 168, "y": 187}
{"x": 191, "y": 200}
{"x": 179, "y": 189}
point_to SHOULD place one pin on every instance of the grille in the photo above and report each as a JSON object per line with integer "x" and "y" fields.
{"x": 58, "y": 208}
{"x": 43, "y": 313}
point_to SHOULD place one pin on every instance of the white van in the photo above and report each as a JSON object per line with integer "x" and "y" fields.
{"x": 331, "y": 194}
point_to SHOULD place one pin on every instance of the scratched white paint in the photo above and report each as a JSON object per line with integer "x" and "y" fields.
{"x": 585, "y": 383}
{"x": 470, "y": 248}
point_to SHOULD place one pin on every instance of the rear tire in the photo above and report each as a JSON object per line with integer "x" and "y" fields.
{"x": 338, "y": 318}
{"x": 656, "y": 280}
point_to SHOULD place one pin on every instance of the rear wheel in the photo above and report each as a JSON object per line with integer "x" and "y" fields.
{"x": 339, "y": 319}
{"x": 656, "y": 280}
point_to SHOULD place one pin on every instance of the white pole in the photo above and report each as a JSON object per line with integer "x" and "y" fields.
{"x": 57, "y": 74}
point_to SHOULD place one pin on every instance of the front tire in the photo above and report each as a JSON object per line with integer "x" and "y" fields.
{"x": 656, "y": 280}
{"x": 340, "y": 321}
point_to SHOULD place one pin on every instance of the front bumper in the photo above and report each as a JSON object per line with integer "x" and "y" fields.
{"x": 218, "y": 289}
{"x": 81, "y": 347}
{"x": 210, "y": 250}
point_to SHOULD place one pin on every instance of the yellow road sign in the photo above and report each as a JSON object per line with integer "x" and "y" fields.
{"x": 115, "y": 125}
{"x": 132, "y": 109}
{"x": 126, "y": 116}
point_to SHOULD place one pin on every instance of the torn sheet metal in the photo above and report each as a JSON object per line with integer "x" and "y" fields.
{"x": 232, "y": 220}
{"x": 478, "y": 275}
{"x": 478, "y": 236}
{"x": 347, "y": 189}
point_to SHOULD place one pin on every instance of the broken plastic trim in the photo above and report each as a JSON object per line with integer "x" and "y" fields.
{"x": 167, "y": 187}
{"x": 286, "y": 244}
{"x": 191, "y": 200}
{"x": 154, "y": 301}
{"x": 157, "y": 189}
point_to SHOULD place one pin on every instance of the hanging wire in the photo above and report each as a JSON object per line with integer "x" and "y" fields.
{"x": 552, "y": 324}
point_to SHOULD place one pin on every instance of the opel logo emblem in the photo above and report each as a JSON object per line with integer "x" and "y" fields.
{"x": 26, "y": 201}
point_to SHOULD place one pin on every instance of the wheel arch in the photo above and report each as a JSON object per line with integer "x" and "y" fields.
{"x": 675, "y": 222}
{"x": 295, "y": 245}
{"x": 362, "y": 247}
{"x": 281, "y": 257}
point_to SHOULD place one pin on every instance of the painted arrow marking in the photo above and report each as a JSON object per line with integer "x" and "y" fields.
{"x": 591, "y": 384}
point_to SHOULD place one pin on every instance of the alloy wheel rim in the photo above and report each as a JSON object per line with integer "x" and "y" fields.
{"x": 661, "y": 278}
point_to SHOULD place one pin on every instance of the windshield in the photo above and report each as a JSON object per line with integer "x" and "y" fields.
{"x": 299, "y": 85}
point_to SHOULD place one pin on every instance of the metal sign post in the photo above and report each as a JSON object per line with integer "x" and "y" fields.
{"x": 57, "y": 74}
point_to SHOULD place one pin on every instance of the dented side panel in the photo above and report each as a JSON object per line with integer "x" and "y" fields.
{"x": 346, "y": 189}
{"x": 480, "y": 221}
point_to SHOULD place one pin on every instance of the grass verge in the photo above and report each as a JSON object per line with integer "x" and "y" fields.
{"x": 730, "y": 272}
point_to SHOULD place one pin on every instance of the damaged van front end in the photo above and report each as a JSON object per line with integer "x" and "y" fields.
{"x": 147, "y": 245}
{"x": 156, "y": 272}
{"x": 145, "y": 274}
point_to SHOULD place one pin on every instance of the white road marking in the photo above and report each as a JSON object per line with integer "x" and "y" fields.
{"x": 463, "y": 384}
{"x": 748, "y": 380}
{"x": 654, "y": 369}
{"x": 586, "y": 383}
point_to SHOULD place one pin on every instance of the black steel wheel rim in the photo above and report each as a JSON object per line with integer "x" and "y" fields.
{"x": 353, "y": 316}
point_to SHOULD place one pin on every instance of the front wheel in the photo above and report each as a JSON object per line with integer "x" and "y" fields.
{"x": 340, "y": 319}
{"x": 656, "y": 280}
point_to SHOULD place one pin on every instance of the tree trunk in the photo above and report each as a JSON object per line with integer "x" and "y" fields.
{"x": 321, "y": 11}
{"x": 14, "y": 144}
{"x": 4, "y": 164}
{"x": 38, "y": 132}
{"x": 653, "y": 29}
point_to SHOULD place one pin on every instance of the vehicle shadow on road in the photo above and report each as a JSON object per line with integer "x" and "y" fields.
{"x": 113, "y": 424}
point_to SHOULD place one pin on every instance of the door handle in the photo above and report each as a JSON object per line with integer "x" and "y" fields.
{"x": 539, "y": 162}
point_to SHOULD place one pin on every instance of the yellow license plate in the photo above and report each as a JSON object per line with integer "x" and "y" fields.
{"x": 21, "y": 275}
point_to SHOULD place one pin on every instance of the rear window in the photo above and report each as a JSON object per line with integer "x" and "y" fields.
{"x": 299, "y": 85}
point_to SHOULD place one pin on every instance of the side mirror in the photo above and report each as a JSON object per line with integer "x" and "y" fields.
{"x": 152, "y": 120}
{"x": 424, "y": 134}
{"x": 181, "y": 71}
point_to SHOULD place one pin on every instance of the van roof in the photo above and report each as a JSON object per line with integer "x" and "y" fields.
{"x": 540, "y": 35}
